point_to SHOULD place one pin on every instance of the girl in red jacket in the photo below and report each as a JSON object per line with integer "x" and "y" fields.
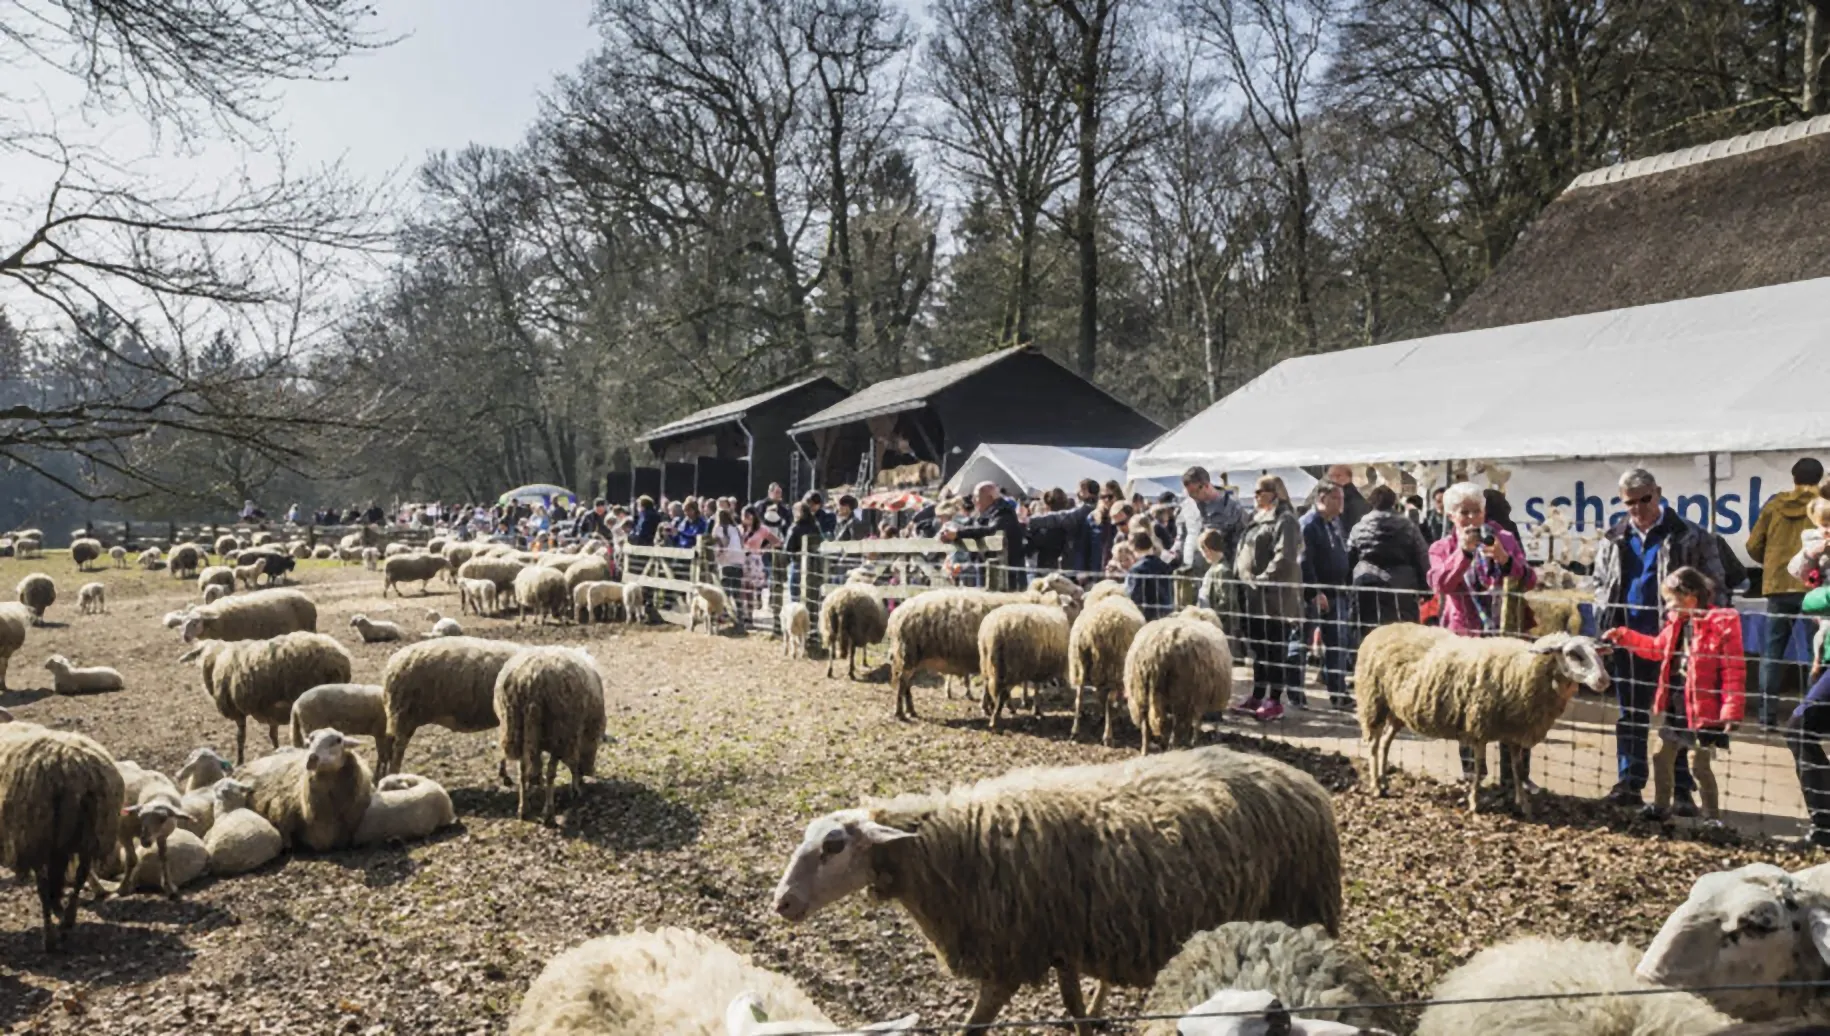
{"x": 1701, "y": 675}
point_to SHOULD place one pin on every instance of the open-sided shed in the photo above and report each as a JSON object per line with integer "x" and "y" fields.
{"x": 752, "y": 432}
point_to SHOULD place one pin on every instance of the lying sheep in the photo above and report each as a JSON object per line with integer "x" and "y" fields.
{"x": 449, "y": 682}
{"x": 410, "y": 568}
{"x": 1257, "y": 1012}
{"x": 374, "y": 631}
{"x": 1178, "y": 669}
{"x": 118, "y": 555}
{"x": 154, "y": 809}
{"x": 795, "y": 622}
{"x": 1476, "y": 690}
{"x": 851, "y": 619}
{"x": 444, "y": 627}
{"x": 260, "y": 679}
{"x": 357, "y": 709}
{"x": 69, "y": 679}
{"x": 37, "y": 592}
{"x": 299, "y": 550}
{"x": 671, "y": 981}
{"x": 60, "y": 815}
{"x": 1021, "y": 644}
{"x": 593, "y": 600}
{"x": 92, "y": 599}
{"x": 711, "y": 604}
{"x": 550, "y": 701}
{"x": 150, "y": 558}
{"x": 405, "y": 807}
{"x": 83, "y": 551}
{"x": 15, "y": 619}
{"x": 1101, "y": 870}
{"x": 323, "y": 552}
{"x": 1097, "y": 647}
{"x": 255, "y": 616}
{"x": 498, "y": 570}
{"x": 313, "y": 796}
{"x": 1299, "y": 966}
{"x": 240, "y": 840}
{"x": 214, "y": 592}
{"x": 397, "y": 548}
{"x": 185, "y": 560}
{"x": 216, "y": 575}
{"x": 542, "y": 591}
{"x": 477, "y": 596}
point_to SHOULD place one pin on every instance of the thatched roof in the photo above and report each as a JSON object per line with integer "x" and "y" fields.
{"x": 1742, "y": 213}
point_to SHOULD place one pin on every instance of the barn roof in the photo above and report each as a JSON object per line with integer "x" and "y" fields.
{"x": 905, "y": 393}
{"x": 724, "y": 412}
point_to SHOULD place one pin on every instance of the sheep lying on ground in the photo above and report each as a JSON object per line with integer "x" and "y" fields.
{"x": 443, "y": 627}
{"x": 396, "y": 548}
{"x": 550, "y": 701}
{"x": 214, "y": 592}
{"x": 851, "y": 620}
{"x": 404, "y": 807}
{"x": 1301, "y": 967}
{"x": 596, "y": 599}
{"x": 1021, "y": 643}
{"x": 226, "y": 544}
{"x": 255, "y": 616}
{"x": 795, "y": 623}
{"x": 240, "y": 839}
{"x": 260, "y": 679}
{"x": 69, "y": 679}
{"x": 671, "y": 981}
{"x": 1244, "y": 1012}
{"x": 357, "y": 709}
{"x": 477, "y": 596}
{"x": 323, "y": 552}
{"x": 313, "y": 796}
{"x": 1102, "y": 870}
{"x": 374, "y": 631}
{"x": 37, "y": 592}
{"x": 410, "y": 568}
{"x": 83, "y": 551}
{"x": 542, "y": 591}
{"x": 1178, "y": 669}
{"x": 1476, "y": 690}
{"x": 1097, "y": 646}
{"x": 150, "y": 558}
{"x": 299, "y": 550}
{"x": 92, "y": 599}
{"x": 710, "y": 604}
{"x": 448, "y": 682}
{"x": 60, "y": 814}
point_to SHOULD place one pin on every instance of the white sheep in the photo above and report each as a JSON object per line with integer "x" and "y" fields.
{"x": 477, "y": 596}
{"x": 1177, "y": 670}
{"x": 709, "y": 603}
{"x": 551, "y": 702}
{"x": 404, "y": 807}
{"x": 374, "y": 631}
{"x": 357, "y": 709}
{"x": 155, "y": 809}
{"x": 445, "y": 626}
{"x": 151, "y": 558}
{"x": 1097, "y": 646}
{"x": 1299, "y": 967}
{"x": 92, "y": 599}
{"x": 183, "y": 859}
{"x": 118, "y": 555}
{"x": 240, "y": 840}
{"x": 852, "y": 618}
{"x": 635, "y": 603}
{"x": 260, "y": 679}
{"x": 214, "y": 592}
{"x": 315, "y": 796}
{"x": 69, "y": 679}
{"x": 594, "y": 598}
{"x": 1021, "y": 643}
{"x": 795, "y": 621}
{"x": 246, "y": 574}
{"x": 216, "y": 575}
{"x": 543, "y": 592}
{"x": 448, "y": 682}
{"x": 1246, "y": 1012}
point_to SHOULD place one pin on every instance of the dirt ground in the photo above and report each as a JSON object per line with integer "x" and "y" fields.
{"x": 722, "y": 751}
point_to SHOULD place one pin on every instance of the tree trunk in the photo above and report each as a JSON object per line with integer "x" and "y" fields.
{"x": 1086, "y": 210}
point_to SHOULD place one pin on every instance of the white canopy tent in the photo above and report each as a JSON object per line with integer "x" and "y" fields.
{"x": 1737, "y": 372}
{"x": 1032, "y": 470}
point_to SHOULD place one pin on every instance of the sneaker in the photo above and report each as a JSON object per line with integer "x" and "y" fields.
{"x": 1269, "y": 711}
{"x": 1533, "y": 789}
{"x": 1651, "y": 811}
{"x": 1342, "y": 703}
{"x": 1621, "y": 795}
{"x": 1249, "y": 707}
{"x": 1713, "y": 824}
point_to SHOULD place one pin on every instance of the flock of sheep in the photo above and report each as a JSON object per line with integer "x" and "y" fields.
{"x": 1211, "y": 877}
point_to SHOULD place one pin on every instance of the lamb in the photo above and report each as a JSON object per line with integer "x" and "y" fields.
{"x": 155, "y": 810}
{"x": 1097, "y": 646}
{"x": 444, "y": 627}
{"x": 448, "y": 682}
{"x": 38, "y": 592}
{"x": 1103, "y": 870}
{"x": 711, "y": 604}
{"x": 371, "y": 560}
{"x": 1021, "y": 643}
{"x": 500, "y": 571}
{"x": 1539, "y": 965}
{"x": 255, "y": 616}
{"x": 260, "y": 679}
{"x": 403, "y": 808}
{"x": 794, "y": 622}
{"x": 240, "y": 840}
{"x": 1474, "y": 690}
{"x": 1245, "y": 1012}
{"x": 60, "y": 807}
{"x": 197, "y": 785}
{"x": 184, "y": 860}
{"x": 542, "y": 591}
{"x": 635, "y": 603}
{"x": 214, "y": 592}
{"x": 374, "y": 631}
{"x": 550, "y": 700}
{"x": 92, "y": 599}
{"x": 1299, "y": 966}
{"x": 1178, "y": 669}
{"x": 246, "y": 574}
{"x": 15, "y": 619}
{"x": 225, "y": 544}
{"x": 851, "y": 619}
{"x": 151, "y": 558}
{"x": 473, "y": 594}
{"x": 83, "y": 551}
{"x": 410, "y": 568}
{"x": 216, "y": 575}
{"x": 118, "y": 555}
{"x": 313, "y": 796}
{"x": 185, "y": 560}
{"x": 596, "y": 599}
{"x": 69, "y": 679}
{"x": 939, "y": 631}
{"x": 357, "y": 709}
{"x": 671, "y": 981}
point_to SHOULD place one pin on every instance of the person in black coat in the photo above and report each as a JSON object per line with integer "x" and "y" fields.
{"x": 1049, "y": 533}
{"x": 992, "y": 512}
{"x": 1326, "y": 573}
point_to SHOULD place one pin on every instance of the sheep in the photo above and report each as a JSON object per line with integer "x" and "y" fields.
{"x": 553, "y": 559}
{"x": 15, "y": 619}
{"x": 260, "y": 679}
{"x": 374, "y": 631}
{"x": 404, "y": 807}
{"x": 1102, "y": 870}
{"x": 794, "y": 623}
{"x": 392, "y": 549}
{"x": 592, "y": 599}
{"x": 69, "y": 679}
{"x": 151, "y": 558}
{"x": 1247, "y": 1012}
{"x": 371, "y": 560}
{"x": 711, "y": 604}
{"x": 262, "y": 539}
{"x": 92, "y": 599}
{"x": 671, "y": 980}
{"x": 591, "y": 568}
{"x": 542, "y": 591}
{"x": 323, "y": 552}
{"x": 313, "y": 796}
{"x": 26, "y": 546}
{"x": 83, "y": 551}
{"x": 352, "y": 541}
{"x": 118, "y": 555}
{"x": 1476, "y": 690}
{"x": 299, "y": 550}
{"x": 186, "y": 559}
{"x": 357, "y": 709}
{"x": 448, "y": 682}
{"x": 38, "y": 592}
{"x": 1538, "y": 965}
{"x": 1178, "y": 669}
{"x": 1097, "y": 646}
{"x": 1103, "y": 589}
{"x": 155, "y": 808}
{"x": 216, "y": 575}
{"x": 444, "y": 627}
{"x": 500, "y": 571}
{"x": 60, "y": 806}
{"x": 255, "y": 616}
{"x": 410, "y": 568}
{"x": 851, "y": 619}
{"x": 240, "y": 840}
{"x": 635, "y": 603}
{"x": 272, "y": 564}
{"x": 436, "y": 545}
{"x": 214, "y": 592}
{"x": 1021, "y": 643}
{"x": 200, "y": 802}
{"x": 1299, "y": 966}
{"x": 225, "y": 544}
{"x": 455, "y": 556}
{"x": 939, "y": 631}
{"x": 473, "y": 593}
{"x": 550, "y": 700}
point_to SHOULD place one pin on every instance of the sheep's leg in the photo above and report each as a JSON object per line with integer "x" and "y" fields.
{"x": 50, "y": 905}
{"x": 273, "y": 734}
{"x": 1518, "y": 782}
{"x": 1474, "y": 779}
{"x": 241, "y": 740}
{"x": 1035, "y": 700}
{"x": 521, "y": 793}
{"x": 991, "y": 999}
{"x": 165, "y": 873}
{"x": 1098, "y": 1006}
{"x": 1080, "y": 695}
{"x": 552, "y": 780}
{"x": 851, "y": 662}
{"x": 84, "y": 873}
{"x": 1143, "y": 732}
{"x": 398, "y": 754}
{"x": 1109, "y": 701}
{"x": 831, "y": 652}
{"x": 994, "y": 701}
{"x": 1383, "y": 750}
{"x": 1069, "y": 981}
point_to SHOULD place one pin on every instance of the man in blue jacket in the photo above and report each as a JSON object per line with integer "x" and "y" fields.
{"x": 647, "y": 522}
{"x": 1326, "y": 575}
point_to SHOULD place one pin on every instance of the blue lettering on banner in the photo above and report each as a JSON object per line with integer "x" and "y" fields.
{"x": 1727, "y": 521}
{"x": 1694, "y": 508}
{"x": 1534, "y": 509}
{"x": 1583, "y": 500}
{"x": 1754, "y": 502}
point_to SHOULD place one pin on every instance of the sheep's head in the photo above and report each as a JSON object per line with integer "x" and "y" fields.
{"x": 746, "y": 1017}
{"x": 57, "y": 664}
{"x": 358, "y": 620}
{"x": 1253, "y": 1012}
{"x": 231, "y": 794}
{"x": 203, "y": 768}
{"x": 192, "y": 626}
{"x": 1578, "y": 659}
{"x": 832, "y": 862}
{"x": 325, "y": 748}
{"x": 1754, "y": 925}
{"x": 158, "y": 819}
{"x": 1207, "y": 615}
{"x": 398, "y": 782}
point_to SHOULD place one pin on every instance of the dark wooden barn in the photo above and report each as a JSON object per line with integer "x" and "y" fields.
{"x": 1016, "y": 395}
{"x": 738, "y": 448}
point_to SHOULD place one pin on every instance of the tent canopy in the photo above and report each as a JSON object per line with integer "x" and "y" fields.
{"x": 1033, "y": 470}
{"x": 539, "y": 493}
{"x": 1730, "y": 372}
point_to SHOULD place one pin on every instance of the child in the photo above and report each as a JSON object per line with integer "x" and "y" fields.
{"x": 1811, "y": 564}
{"x": 1701, "y": 677}
{"x": 1810, "y": 725}
{"x": 1123, "y": 557}
{"x": 1147, "y": 582}
{"x": 1212, "y": 594}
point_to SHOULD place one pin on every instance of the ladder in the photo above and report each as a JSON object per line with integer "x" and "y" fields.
{"x": 864, "y": 472}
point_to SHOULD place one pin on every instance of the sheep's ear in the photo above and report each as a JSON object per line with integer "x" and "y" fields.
{"x": 130, "y": 811}
{"x": 1819, "y": 920}
{"x": 874, "y": 833}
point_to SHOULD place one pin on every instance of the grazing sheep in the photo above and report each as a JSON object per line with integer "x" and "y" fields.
{"x": 550, "y": 700}
{"x": 1299, "y": 966}
{"x": 83, "y": 551}
{"x": 150, "y": 558}
{"x": 851, "y": 619}
{"x": 69, "y": 679}
{"x": 260, "y": 679}
{"x": 15, "y": 619}
{"x": 444, "y": 627}
{"x": 795, "y": 621}
{"x": 118, "y": 555}
{"x": 225, "y": 545}
{"x": 214, "y": 592}
{"x": 404, "y": 807}
{"x": 939, "y": 631}
{"x": 357, "y": 709}
{"x": 92, "y": 599}
{"x": 313, "y": 796}
{"x": 1537, "y": 965}
{"x": 594, "y": 600}
{"x": 60, "y": 807}
{"x": 448, "y": 682}
{"x": 1097, "y": 647}
{"x": 240, "y": 840}
{"x": 498, "y": 570}
{"x": 1178, "y": 669}
{"x": 542, "y": 591}
{"x": 1021, "y": 643}
{"x": 671, "y": 981}
{"x": 711, "y": 604}
{"x": 37, "y": 592}
{"x": 185, "y": 560}
{"x": 1476, "y": 690}
{"x": 436, "y": 545}
{"x": 590, "y": 568}
{"x": 216, "y": 575}
{"x": 374, "y": 631}
{"x": 323, "y": 552}
{"x": 255, "y": 616}
{"x": 410, "y": 568}
{"x": 1101, "y": 870}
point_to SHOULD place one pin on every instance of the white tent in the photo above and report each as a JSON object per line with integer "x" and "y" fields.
{"x": 1737, "y": 372}
{"x": 1032, "y": 470}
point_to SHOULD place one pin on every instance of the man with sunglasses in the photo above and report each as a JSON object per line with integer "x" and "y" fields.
{"x": 1635, "y": 556}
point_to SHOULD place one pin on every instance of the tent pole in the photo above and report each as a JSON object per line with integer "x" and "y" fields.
{"x": 1711, "y": 526}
